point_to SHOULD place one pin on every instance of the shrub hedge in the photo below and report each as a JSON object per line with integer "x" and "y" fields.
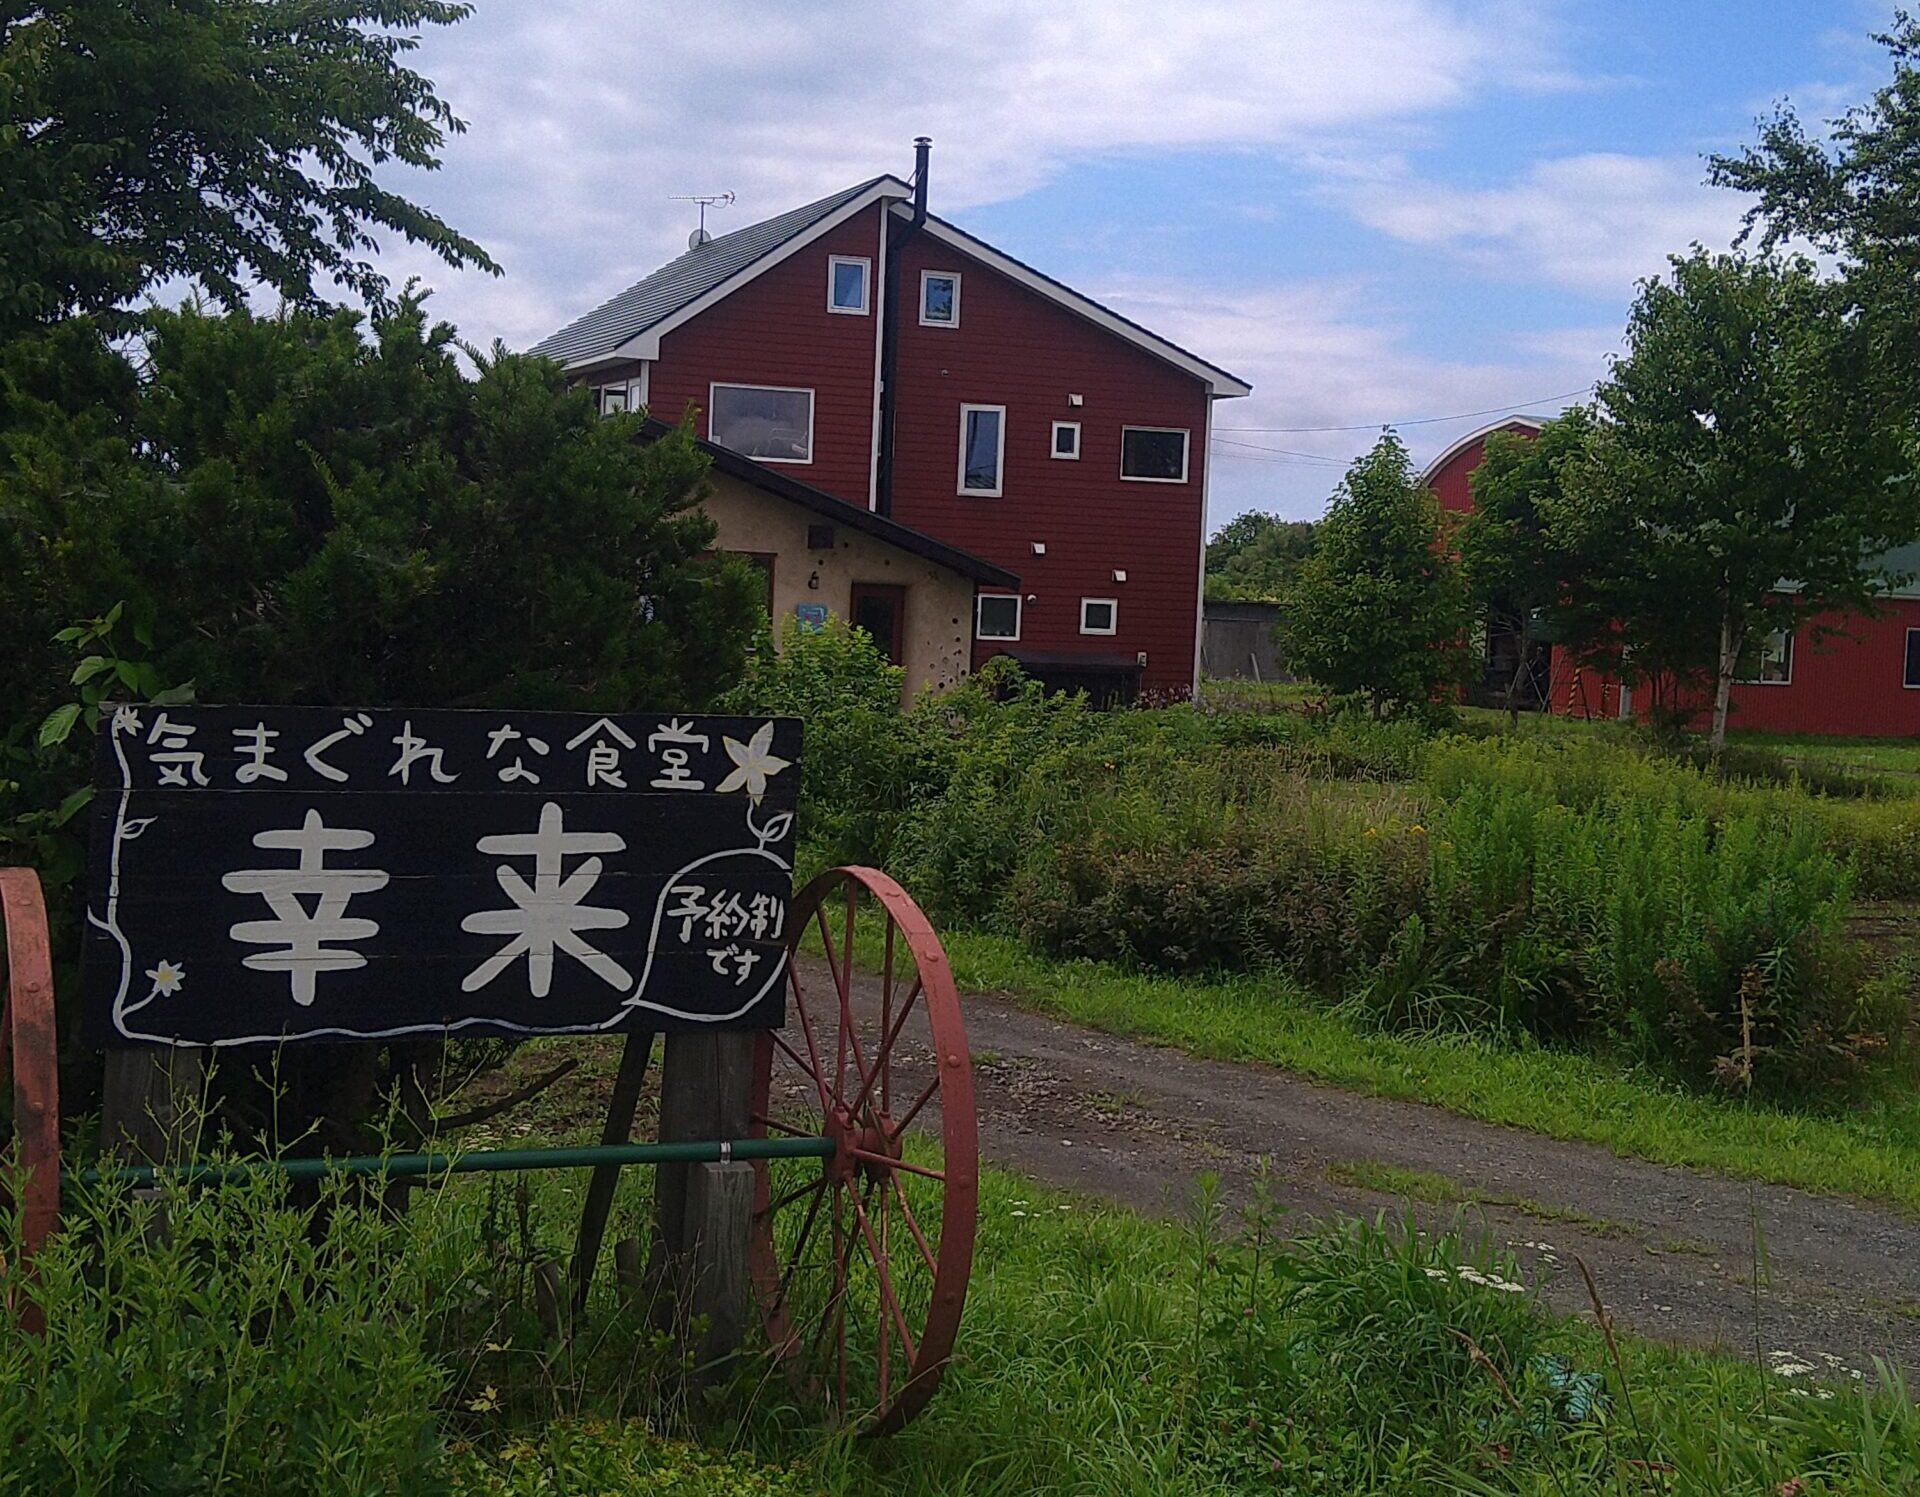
{"x": 1593, "y": 890}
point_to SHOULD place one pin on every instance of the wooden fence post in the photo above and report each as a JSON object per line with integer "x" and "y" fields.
{"x": 701, "y": 1212}
{"x": 150, "y": 1102}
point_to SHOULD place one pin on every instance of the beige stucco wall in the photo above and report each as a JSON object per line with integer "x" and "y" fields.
{"x": 938, "y": 628}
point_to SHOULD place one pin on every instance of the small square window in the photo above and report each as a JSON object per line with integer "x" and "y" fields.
{"x": 940, "y": 298}
{"x": 1153, "y": 454}
{"x": 983, "y": 446}
{"x": 847, "y": 277}
{"x": 997, "y": 616}
{"x": 1099, "y": 616}
{"x": 1768, "y": 660}
{"x": 1066, "y": 439}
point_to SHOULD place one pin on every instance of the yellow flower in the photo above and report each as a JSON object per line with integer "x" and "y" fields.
{"x": 1373, "y": 831}
{"x": 487, "y": 1402}
{"x": 1418, "y": 830}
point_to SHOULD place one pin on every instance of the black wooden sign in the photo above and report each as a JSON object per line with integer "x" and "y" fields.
{"x": 303, "y": 873}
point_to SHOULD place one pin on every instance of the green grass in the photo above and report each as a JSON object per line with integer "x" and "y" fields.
{"x": 1879, "y": 755}
{"x": 1433, "y": 1189}
{"x": 1872, "y": 1151}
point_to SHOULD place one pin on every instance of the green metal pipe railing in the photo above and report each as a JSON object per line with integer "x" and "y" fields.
{"x": 480, "y": 1161}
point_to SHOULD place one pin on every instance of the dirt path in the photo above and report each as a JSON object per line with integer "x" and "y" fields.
{"x": 1672, "y": 1248}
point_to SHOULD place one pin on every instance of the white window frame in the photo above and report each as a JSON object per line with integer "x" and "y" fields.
{"x": 834, "y": 262}
{"x": 1909, "y": 685}
{"x": 1186, "y": 454}
{"x": 730, "y": 384}
{"x": 999, "y": 456}
{"x": 1112, "y": 603}
{"x": 604, "y": 393}
{"x": 939, "y": 275}
{"x": 1792, "y": 651}
{"x": 1053, "y": 442}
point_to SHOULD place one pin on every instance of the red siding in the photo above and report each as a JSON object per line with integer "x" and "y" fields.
{"x": 1851, "y": 684}
{"x": 776, "y": 330}
{"x": 1018, "y": 349}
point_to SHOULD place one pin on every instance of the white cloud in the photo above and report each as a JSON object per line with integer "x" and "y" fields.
{"x": 587, "y": 115}
{"x": 1332, "y": 354}
{"x": 1593, "y": 223}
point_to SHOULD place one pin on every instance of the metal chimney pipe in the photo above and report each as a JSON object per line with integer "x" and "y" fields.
{"x": 922, "y": 148}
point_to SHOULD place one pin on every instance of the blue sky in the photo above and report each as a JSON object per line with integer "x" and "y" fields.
{"x": 1375, "y": 210}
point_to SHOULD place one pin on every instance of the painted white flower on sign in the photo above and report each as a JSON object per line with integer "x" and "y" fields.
{"x": 168, "y": 978}
{"x": 754, "y": 763}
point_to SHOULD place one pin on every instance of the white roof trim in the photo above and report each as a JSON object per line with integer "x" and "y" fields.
{"x": 1460, "y": 444}
{"x": 1217, "y": 380}
{"x": 646, "y": 343}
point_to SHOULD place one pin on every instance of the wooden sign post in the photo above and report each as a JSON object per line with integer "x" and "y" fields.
{"x": 269, "y": 876}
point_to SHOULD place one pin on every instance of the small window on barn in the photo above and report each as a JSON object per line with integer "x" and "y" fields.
{"x": 767, "y": 422}
{"x": 940, "y": 298}
{"x": 1066, "y": 439}
{"x": 1153, "y": 454}
{"x": 847, "y": 284}
{"x": 1768, "y": 661}
{"x": 997, "y": 616}
{"x": 983, "y": 447}
{"x": 1913, "y": 659}
{"x": 613, "y": 399}
{"x": 1099, "y": 616}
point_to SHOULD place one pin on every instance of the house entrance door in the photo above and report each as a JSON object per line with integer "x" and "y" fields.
{"x": 881, "y": 609}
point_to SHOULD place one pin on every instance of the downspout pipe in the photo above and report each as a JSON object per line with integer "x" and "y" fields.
{"x": 897, "y": 235}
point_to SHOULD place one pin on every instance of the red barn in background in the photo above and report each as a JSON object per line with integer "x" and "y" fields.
{"x": 1863, "y": 679}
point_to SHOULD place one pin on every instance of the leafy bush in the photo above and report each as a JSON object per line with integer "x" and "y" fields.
{"x": 249, "y": 1347}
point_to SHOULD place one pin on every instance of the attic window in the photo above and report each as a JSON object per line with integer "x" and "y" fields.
{"x": 769, "y": 422}
{"x": 940, "y": 298}
{"x": 847, "y": 279}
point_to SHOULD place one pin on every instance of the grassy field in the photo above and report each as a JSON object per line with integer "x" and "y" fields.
{"x": 1870, "y": 1150}
{"x": 1107, "y": 1354}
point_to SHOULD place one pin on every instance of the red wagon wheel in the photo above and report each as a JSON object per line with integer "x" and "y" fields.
{"x": 860, "y": 1261}
{"x": 27, "y": 1028}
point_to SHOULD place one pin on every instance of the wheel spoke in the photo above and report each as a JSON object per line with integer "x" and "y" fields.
{"x": 840, "y": 987}
{"x": 900, "y": 1128}
{"x": 882, "y": 1058}
{"x": 813, "y": 1049}
{"x": 817, "y": 1184}
{"x": 767, "y": 1122}
{"x": 885, "y": 1279}
{"x": 799, "y": 1247}
{"x": 886, "y": 1019}
{"x": 896, "y": 1164}
{"x": 913, "y": 1226}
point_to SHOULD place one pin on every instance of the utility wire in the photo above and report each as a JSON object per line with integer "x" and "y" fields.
{"x": 1317, "y": 457}
{"x": 1519, "y": 405}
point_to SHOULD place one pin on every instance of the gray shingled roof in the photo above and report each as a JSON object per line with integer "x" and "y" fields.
{"x": 685, "y": 280}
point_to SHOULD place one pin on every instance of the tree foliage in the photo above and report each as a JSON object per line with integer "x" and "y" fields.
{"x": 1378, "y": 610}
{"x": 214, "y": 141}
{"x": 1516, "y": 565}
{"x": 1853, "y": 191}
{"x": 1742, "y": 449}
{"x": 1254, "y": 556}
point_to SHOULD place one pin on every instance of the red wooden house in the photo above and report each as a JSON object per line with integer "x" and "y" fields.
{"x": 868, "y": 348}
{"x": 1863, "y": 679}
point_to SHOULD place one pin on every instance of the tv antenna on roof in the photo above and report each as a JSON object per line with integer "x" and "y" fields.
{"x": 700, "y": 235}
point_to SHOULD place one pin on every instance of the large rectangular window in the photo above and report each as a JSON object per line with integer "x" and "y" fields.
{"x": 847, "y": 284}
{"x": 1913, "y": 659}
{"x": 1153, "y": 454}
{"x": 983, "y": 448}
{"x": 997, "y": 616}
{"x": 768, "y": 422}
{"x": 1767, "y": 661}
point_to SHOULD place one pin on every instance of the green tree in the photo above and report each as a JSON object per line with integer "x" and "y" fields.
{"x": 1853, "y": 191}
{"x": 1254, "y": 556}
{"x": 1740, "y": 481}
{"x": 1378, "y": 611}
{"x": 1513, "y": 563}
{"x": 218, "y": 142}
